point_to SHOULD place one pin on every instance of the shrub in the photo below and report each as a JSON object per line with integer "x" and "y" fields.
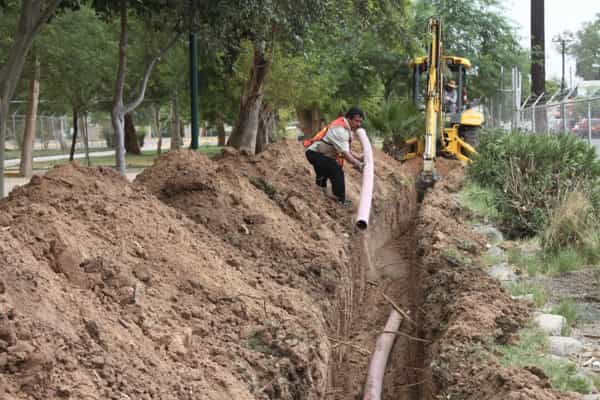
{"x": 530, "y": 174}
{"x": 573, "y": 224}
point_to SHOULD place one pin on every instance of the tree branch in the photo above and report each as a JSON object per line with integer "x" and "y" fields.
{"x": 131, "y": 106}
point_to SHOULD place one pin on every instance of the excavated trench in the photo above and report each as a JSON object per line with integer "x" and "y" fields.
{"x": 385, "y": 276}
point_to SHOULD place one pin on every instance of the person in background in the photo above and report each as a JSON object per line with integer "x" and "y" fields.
{"x": 450, "y": 97}
{"x": 328, "y": 149}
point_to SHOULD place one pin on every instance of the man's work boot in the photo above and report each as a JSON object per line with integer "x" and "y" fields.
{"x": 345, "y": 203}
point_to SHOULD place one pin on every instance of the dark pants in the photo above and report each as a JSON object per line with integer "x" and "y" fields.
{"x": 328, "y": 168}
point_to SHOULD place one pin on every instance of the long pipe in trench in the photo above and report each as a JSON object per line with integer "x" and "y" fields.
{"x": 374, "y": 385}
{"x": 366, "y": 193}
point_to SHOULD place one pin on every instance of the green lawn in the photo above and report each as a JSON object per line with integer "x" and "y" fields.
{"x": 144, "y": 160}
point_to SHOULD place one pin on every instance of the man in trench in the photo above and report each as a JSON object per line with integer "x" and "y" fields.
{"x": 328, "y": 149}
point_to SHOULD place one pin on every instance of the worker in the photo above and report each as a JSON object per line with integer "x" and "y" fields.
{"x": 328, "y": 149}
{"x": 450, "y": 97}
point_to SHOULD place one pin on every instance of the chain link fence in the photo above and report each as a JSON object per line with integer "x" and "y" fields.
{"x": 557, "y": 113}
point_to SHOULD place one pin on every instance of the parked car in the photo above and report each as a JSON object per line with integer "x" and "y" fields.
{"x": 581, "y": 128}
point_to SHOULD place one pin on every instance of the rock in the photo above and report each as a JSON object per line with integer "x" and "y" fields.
{"x": 591, "y": 397}
{"x": 494, "y": 255}
{"x": 550, "y": 323}
{"x": 563, "y": 346}
{"x": 502, "y": 272}
{"x": 492, "y": 234}
{"x": 142, "y": 273}
{"x": 180, "y": 342}
{"x": 2, "y": 287}
{"x": 525, "y": 297}
{"x": 98, "y": 362}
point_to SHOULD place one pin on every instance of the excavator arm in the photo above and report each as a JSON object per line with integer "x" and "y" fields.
{"x": 433, "y": 98}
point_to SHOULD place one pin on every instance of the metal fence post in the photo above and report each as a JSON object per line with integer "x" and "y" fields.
{"x": 589, "y": 122}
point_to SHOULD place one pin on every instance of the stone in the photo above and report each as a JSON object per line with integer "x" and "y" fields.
{"x": 502, "y": 272}
{"x": 492, "y": 234}
{"x": 550, "y": 323}
{"x": 525, "y": 297}
{"x": 563, "y": 346}
{"x": 495, "y": 254}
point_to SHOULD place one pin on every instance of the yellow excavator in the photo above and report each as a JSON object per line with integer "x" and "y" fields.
{"x": 452, "y": 134}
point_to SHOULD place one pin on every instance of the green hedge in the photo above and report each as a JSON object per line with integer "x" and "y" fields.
{"x": 531, "y": 173}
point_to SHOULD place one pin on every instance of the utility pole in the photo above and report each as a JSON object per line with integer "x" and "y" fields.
{"x": 538, "y": 70}
{"x": 563, "y": 48}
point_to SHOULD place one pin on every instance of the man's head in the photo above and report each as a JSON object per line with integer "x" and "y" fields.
{"x": 451, "y": 85}
{"x": 355, "y": 117}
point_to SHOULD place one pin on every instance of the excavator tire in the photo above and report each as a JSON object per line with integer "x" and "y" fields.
{"x": 471, "y": 135}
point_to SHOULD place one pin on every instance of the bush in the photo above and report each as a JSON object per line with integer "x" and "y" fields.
{"x": 531, "y": 174}
{"x": 573, "y": 224}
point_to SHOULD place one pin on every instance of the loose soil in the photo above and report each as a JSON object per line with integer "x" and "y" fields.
{"x": 236, "y": 278}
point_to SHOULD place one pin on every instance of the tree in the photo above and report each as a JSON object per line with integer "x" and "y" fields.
{"x": 263, "y": 24}
{"x": 160, "y": 16}
{"x": 586, "y": 49}
{"x": 78, "y": 52}
{"x": 33, "y": 15}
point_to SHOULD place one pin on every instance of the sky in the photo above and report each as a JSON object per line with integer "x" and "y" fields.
{"x": 560, "y": 15}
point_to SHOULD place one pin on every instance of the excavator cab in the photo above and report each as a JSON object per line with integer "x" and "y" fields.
{"x": 451, "y": 130}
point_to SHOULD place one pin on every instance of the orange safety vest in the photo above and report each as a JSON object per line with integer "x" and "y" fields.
{"x": 341, "y": 121}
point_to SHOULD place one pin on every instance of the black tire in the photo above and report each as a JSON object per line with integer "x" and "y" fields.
{"x": 471, "y": 135}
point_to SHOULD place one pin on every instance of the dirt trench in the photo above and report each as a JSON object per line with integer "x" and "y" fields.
{"x": 423, "y": 259}
{"x": 237, "y": 279}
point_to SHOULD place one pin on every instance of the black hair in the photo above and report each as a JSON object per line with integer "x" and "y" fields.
{"x": 353, "y": 111}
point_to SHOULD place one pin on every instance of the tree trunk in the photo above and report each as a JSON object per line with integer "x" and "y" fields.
{"x": 266, "y": 127}
{"x": 31, "y": 19}
{"x": 243, "y": 136}
{"x": 175, "y": 131}
{"x": 156, "y": 115}
{"x": 119, "y": 109}
{"x": 75, "y": 129}
{"x": 132, "y": 145}
{"x": 310, "y": 121}
{"x": 221, "y": 129}
{"x": 26, "y": 165}
{"x": 3, "y": 115}
{"x": 538, "y": 70}
{"x": 86, "y": 140}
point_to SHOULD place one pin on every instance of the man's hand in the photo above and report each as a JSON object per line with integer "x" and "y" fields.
{"x": 359, "y": 166}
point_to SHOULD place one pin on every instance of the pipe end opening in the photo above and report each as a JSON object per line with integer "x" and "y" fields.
{"x": 361, "y": 224}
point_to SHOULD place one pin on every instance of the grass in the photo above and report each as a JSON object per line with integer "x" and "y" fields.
{"x": 479, "y": 200}
{"x": 567, "y": 309}
{"x": 531, "y": 349}
{"x": 522, "y": 288}
{"x": 548, "y": 263}
{"x": 146, "y": 159}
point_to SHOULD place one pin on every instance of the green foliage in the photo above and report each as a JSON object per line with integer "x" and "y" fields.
{"x": 522, "y": 288}
{"x": 78, "y": 54}
{"x": 585, "y": 50}
{"x": 397, "y": 119}
{"x": 530, "y": 175}
{"x": 479, "y": 31}
{"x": 568, "y": 309}
{"x": 530, "y": 351}
{"x": 573, "y": 224}
{"x": 479, "y": 200}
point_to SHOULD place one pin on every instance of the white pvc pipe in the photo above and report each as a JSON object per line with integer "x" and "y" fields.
{"x": 366, "y": 193}
{"x": 374, "y": 385}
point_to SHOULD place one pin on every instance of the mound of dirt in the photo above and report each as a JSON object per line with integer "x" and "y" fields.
{"x": 463, "y": 311}
{"x": 236, "y": 278}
